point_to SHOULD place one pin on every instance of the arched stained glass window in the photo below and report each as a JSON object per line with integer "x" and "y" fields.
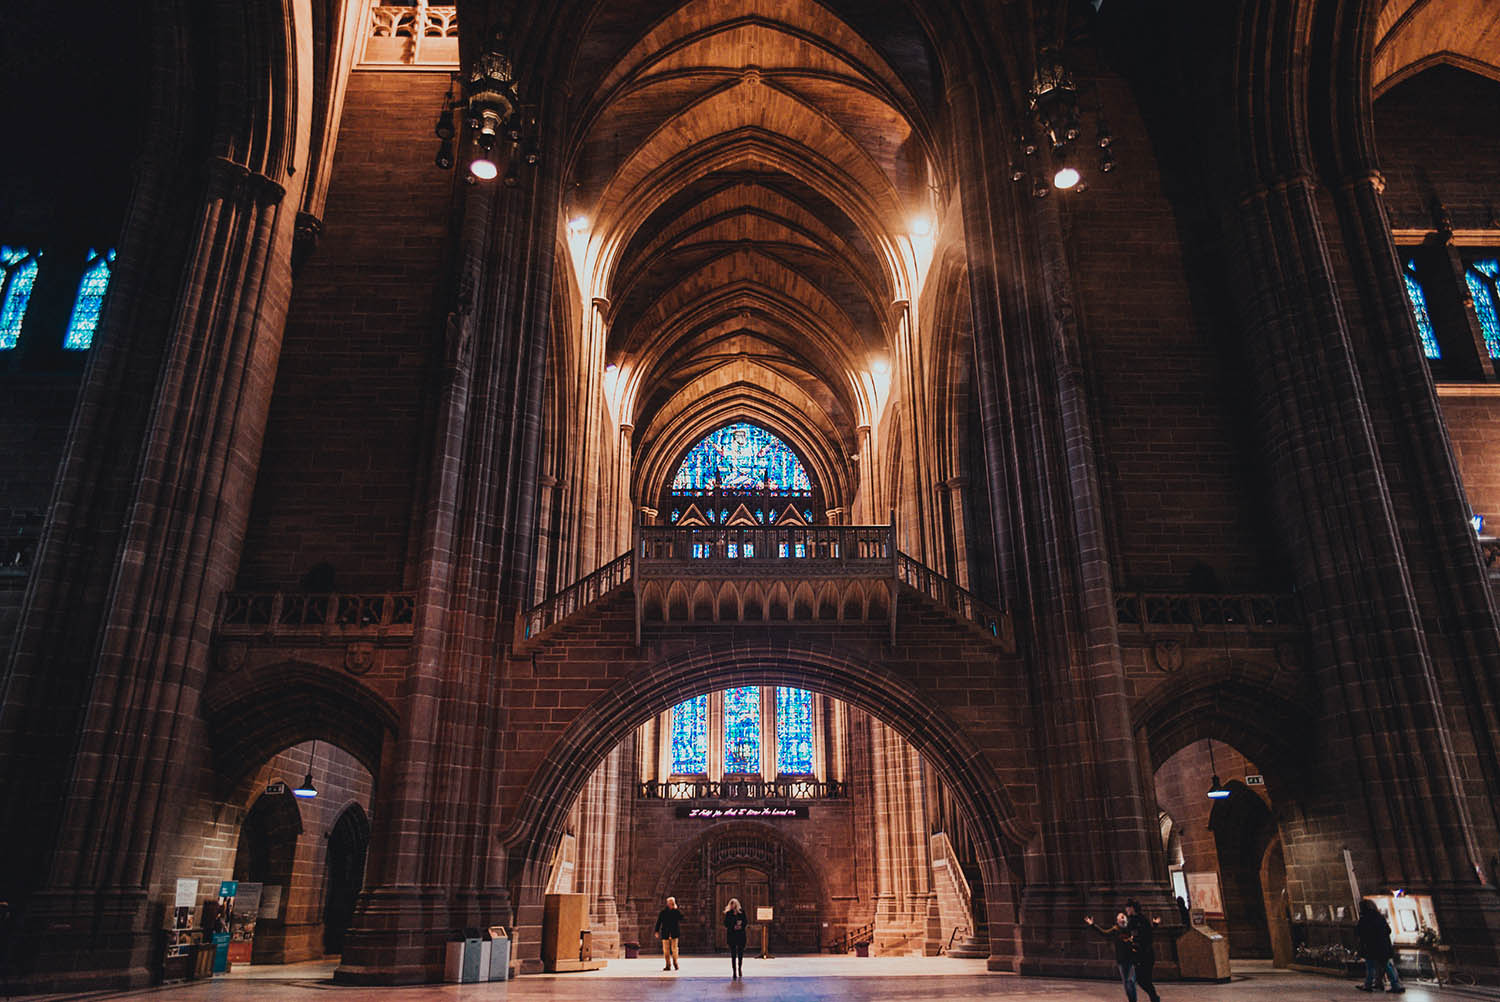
{"x": 742, "y": 730}
{"x": 87, "y": 305}
{"x": 17, "y": 276}
{"x": 1483, "y": 278}
{"x": 690, "y": 737}
{"x": 741, "y": 457}
{"x": 794, "y": 745}
{"x": 1418, "y": 300}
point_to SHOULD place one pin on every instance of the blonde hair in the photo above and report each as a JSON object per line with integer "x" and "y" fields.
{"x": 733, "y": 906}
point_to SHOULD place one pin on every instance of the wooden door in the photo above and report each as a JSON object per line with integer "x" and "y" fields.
{"x": 751, "y": 886}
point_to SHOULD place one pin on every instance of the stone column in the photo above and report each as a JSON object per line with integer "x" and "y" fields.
{"x": 1094, "y": 829}
{"x": 1372, "y": 651}
{"x": 188, "y": 505}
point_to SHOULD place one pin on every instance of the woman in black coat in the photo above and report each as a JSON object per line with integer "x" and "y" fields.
{"x": 1374, "y": 934}
{"x": 735, "y": 922}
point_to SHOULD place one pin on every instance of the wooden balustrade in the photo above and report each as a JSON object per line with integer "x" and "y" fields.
{"x": 794, "y": 788}
{"x": 299, "y": 614}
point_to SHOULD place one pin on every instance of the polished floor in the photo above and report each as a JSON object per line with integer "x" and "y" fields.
{"x": 789, "y": 979}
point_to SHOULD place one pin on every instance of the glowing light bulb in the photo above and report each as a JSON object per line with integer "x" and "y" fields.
{"x": 484, "y": 168}
{"x": 1065, "y": 178}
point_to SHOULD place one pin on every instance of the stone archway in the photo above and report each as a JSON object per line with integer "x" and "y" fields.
{"x": 967, "y": 761}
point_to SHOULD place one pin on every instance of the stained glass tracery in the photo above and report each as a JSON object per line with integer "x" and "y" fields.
{"x": 740, "y": 457}
{"x": 1418, "y": 300}
{"x": 90, "y": 300}
{"x": 17, "y": 275}
{"x": 742, "y": 730}
{"x": 794, "y": 746}
{"x": 690, "y": 737}
{"x": 1483, "y": 278}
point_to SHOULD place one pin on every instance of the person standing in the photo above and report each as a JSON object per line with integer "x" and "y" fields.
{"x": 1124, "y": 950}
{"x": 1142, "y": 936}
{"x": 669, "y": 929}
{"x": 735, "y": 923}
{"x": 1374, "y": 934}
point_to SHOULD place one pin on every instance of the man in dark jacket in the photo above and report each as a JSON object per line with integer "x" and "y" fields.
{"x": 1374, "y": 934}
{"x": 669, "y": 928}
{"x": 1124, "y": 950}
{"x": 1142, "y": 934}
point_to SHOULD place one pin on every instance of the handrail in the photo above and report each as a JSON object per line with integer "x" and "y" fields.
{"x": 950, "y": 595}
{"x": 846, "y": 942}
{"x": 956, "y": 930}
{"x": 575, "y": 597}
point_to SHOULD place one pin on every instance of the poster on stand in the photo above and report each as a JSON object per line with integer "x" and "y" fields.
{"x": 242, "y": 931}
{"x": 1203, "y": 892}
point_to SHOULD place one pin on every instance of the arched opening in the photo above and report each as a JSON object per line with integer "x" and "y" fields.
{"x": 927, "y": 828}
{"x": 348, "y": 848}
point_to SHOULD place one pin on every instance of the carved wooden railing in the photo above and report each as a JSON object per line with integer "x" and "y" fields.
{"x": 299, "y": 614}
{"x": 416, "y": 34}
{"x": 773, "y": 553}
{"x": 1148, "y": 611}
{"x": 949, "y": 595}
{"x": 802, "y": 550}
{"x": 576, "y": 597}
{"x": 742, "y": 789}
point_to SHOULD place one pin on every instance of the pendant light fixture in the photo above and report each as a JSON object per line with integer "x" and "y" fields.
{"x": 1218, "y": 791}
{"x": 307, "y": 791}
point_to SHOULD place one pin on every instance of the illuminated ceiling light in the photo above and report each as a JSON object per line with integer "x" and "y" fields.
{"x": 1066, "y": 177}
{"x": 921, "y": 226}
{"x": 484, "y": 167}
{"x": 1218, "y": 791}
{"x": 611, "y": 369}
{"x": 305, "y": 790}
{"x": 578, "y": 224}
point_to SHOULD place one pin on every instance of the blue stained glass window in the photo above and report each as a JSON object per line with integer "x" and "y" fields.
{"x": 1483, "y": 277}
{"x": 1418, "y": 300}
{"x": 794, "y": 745}
{"x": 690, "y": 737}
{"x": 89, "y": 301}
{"x": 740, "y": 457}
{"x": 742, "y": 730}
{"x": 17, "y": 276}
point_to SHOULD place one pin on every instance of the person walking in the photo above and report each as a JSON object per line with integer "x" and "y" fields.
{"x": 1374, "y": 934}
{"x": 669, "y": 929}
{"x": 1124, "y": 950}
{"x": 735, "y": 923}
{"x": 1142, "y": 936}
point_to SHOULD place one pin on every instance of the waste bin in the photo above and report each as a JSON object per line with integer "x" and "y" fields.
{"x": 499, "y": 959}
{"x": 464, "y": 960}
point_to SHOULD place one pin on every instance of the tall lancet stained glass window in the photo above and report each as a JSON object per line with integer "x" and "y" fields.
{"x": 794, "y": 744}
{"x": 741, "y": 457}
{"x": 87, "y": 305}
{"x": 690, "y": 737}
{"x": 17, "y": 276}
{"x": 742, "y": 730}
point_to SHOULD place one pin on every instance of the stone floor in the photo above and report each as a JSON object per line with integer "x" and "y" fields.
{"x": 788, "y": 979}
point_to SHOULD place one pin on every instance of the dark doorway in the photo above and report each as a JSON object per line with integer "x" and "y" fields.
{"x": 751, "y": 886}
{"x": 266, "y": 853}
{"x": 348, "y": 844}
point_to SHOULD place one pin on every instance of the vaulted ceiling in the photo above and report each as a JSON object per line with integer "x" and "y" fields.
{"x": 743, "y": 182}
{"x": 1412, "y": 35}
